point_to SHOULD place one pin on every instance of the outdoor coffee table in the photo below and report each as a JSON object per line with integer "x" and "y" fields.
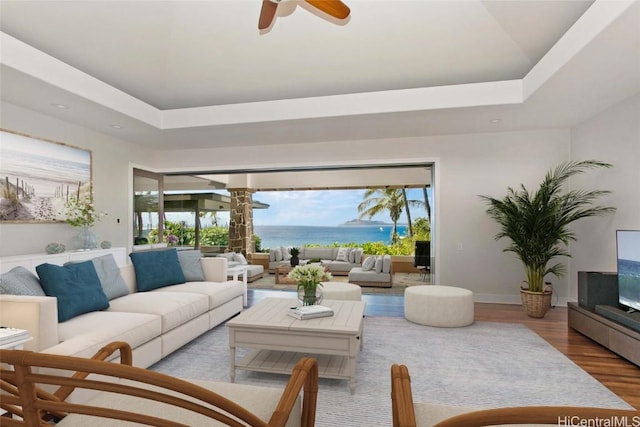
{"x": 281, "y": 275}
{"x": 278, "y": 341}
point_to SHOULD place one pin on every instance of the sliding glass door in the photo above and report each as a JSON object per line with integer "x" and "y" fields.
{"x": 148, "y": 207}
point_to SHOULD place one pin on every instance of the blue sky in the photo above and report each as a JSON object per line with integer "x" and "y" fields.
{"x": 311, "y": 207}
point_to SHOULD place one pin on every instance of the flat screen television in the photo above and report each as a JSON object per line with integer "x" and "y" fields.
{"x": 628, "y": 248}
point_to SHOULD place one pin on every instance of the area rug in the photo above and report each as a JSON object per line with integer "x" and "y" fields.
{"x": 483, "y": 365}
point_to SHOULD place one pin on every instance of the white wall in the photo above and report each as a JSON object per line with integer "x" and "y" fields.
{"x": 612, "y": 136}
{"x": 111, "y": 159}
{"x": 468, "y": 165}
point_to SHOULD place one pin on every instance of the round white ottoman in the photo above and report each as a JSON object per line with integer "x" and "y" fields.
{"x": 341, "y": 291}
{"x": 443, "y": 306}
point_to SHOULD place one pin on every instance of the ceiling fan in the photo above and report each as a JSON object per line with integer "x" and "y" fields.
{"x": 334, "y": 8}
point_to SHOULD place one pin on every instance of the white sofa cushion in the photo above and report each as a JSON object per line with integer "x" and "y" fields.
{"x": 359, "y": 275}
{"x": 386, "y": 264}
{"x": 218, "y": 293}
{"x": 174, "y": 308}
{"x": 261, "y": 401}
{"x": 84, "y": 335}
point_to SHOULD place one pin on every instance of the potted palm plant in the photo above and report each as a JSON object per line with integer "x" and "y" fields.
{"x": 538, "y": 223}
{"x": 294, "y": 256}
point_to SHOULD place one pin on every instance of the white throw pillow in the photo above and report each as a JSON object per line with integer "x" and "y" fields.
{"x": 238, "y": 257}
{"x": 343, "y": 254}
{"x": 358, "y": 258}
{"x": 286, "y": 255}
{"x": 369, "y": 263}
{"x": 278, "y": 254}
{"x": 378, "y": 266}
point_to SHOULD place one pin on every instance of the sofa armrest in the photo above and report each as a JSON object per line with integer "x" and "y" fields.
{"x": 215, "y": 269}
{"x": 38, "y": 315}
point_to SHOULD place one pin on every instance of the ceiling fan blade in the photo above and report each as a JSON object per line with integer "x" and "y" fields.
{"x": 335, "y": 8}
{"x": 267, "y": 13}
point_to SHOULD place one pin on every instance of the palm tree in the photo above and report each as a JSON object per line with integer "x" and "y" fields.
{"x": 378, "y": 200}
{"x": 406, "y": 205}
{"x": 426, "y": 202}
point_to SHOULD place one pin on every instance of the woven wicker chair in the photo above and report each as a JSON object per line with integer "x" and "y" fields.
{"x": 22, "y": 395}
{"x": 404, "y": 413}
{"x": 63, "y": 392}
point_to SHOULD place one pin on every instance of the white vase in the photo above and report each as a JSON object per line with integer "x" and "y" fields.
{"x": 85, "y": 239}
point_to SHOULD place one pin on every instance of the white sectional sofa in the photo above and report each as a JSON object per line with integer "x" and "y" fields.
{"x": 338, "y": 260}
{"x": 155, "y": 322}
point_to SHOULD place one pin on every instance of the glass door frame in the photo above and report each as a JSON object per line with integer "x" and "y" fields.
{"x": 137, "y": 172}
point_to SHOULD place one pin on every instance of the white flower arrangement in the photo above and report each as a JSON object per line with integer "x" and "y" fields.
{"x": 82, "y": 212}
{"x": 309, "y": 276}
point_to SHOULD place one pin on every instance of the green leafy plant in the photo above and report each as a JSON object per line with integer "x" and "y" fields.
{"x": 309, "y": 277}
{"x": 294, "y": 251}
{"x": 81, "y": 212}
{"x": 538, "y": 223}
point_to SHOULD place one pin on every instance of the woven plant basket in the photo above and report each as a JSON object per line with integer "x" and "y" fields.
{"x": 535, "y": 304}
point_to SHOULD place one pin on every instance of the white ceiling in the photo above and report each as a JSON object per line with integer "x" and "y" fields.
{"x": 196, "y": 74}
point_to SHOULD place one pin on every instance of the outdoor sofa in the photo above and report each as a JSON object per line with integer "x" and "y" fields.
{"x": 338, "y": 260}
{"x": 374, "y": 272}
{"x": 254, "y": 271}
{"x": 149, "y": 304}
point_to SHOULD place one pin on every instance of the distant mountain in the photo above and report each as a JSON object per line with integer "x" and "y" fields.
{"x": 365, "y": 222}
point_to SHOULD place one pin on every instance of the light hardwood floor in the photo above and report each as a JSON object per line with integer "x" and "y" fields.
{"x": 617, "y": 374}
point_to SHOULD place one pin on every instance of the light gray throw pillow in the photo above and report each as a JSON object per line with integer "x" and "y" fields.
{"x": 369, "y": 263}
{"x": 111, "y": 280}
{"x": 20, "y": 281}
{"x": 378, "y": 265}
{"x": 191, "y": 265}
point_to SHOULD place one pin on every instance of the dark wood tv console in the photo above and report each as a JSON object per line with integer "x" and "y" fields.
{"x": 612, "y": 335}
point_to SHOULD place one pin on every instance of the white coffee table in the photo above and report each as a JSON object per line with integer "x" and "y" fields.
{"x": 279, "y": 341}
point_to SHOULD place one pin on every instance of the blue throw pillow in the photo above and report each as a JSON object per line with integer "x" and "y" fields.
{"x": 155, "y": 269}
{"x": 76, "y": 286}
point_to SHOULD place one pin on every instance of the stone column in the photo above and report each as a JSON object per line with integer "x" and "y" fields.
{"x": 241, "y": 221}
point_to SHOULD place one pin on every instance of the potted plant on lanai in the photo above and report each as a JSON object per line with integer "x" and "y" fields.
{"x": 294, "y": 256}
{"x": 538, "y": 223}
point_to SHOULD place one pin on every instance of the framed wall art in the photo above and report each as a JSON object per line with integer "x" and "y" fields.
{"x": 38, "y": 177}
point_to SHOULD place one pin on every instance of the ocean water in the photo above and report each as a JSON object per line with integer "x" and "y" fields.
{"x": 299, "y": 235}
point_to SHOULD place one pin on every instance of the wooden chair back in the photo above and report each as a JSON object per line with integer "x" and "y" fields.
{"x": 21, "y": 383}
{"x": 403, "y": 411}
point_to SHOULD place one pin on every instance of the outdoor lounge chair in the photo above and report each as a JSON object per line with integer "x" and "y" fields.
{"x": 406, "y": 413}
{"x": 141, "y": 396}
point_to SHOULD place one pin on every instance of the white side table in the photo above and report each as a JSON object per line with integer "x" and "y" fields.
{"x": 235, "y": 271}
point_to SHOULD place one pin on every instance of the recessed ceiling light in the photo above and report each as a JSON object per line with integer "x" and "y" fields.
{"x": 495, "y": 120}
{"x": 116, "y": 126}
{"x": 61, "y": 106}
